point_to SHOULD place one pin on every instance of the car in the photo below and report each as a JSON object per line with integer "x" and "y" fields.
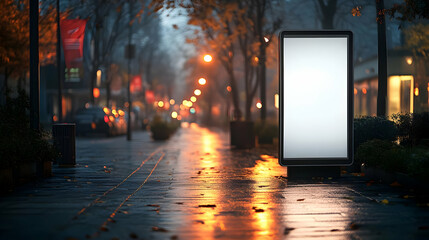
{"x": 99, "y": 120}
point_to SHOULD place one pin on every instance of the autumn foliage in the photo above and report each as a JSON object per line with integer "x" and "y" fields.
{"x": 14, "y": 36}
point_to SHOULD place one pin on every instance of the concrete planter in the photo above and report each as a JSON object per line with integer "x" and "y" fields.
{"x": 6, "y": 179}
{"x": 242, "y": 135}
{"x": 27, "y": 171}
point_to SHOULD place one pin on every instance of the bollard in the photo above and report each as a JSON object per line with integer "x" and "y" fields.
{"x": 64, "y": 135}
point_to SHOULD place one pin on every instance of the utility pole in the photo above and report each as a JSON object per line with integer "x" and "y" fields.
{"x": 382, "y": 60}
{"x": 129, "y": 74}
{"x": 34, "y": 66}
{"x": 60, "y": 83}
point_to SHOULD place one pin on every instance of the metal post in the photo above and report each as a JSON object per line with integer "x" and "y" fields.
{"x": 382, "y": 60}
{"x": 34, "y": 66}
{"x": 60, "y": 83}
{"x": 129, "y": 77}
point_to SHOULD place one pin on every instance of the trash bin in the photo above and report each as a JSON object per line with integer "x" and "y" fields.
{"x": 241, "y": 134}
{"x": 64, "y": 135}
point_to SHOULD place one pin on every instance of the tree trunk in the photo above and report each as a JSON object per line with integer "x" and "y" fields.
{"x": 382, "y": 60}
{"x": 248, "y": 113}
{"x": 328, "y": 13}
{"x": 235, "y": 98}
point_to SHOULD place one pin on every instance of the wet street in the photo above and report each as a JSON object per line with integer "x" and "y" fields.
{"x": 195, "y": 187}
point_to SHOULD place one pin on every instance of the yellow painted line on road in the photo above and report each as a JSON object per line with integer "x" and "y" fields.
{"x": 119, "y": 184}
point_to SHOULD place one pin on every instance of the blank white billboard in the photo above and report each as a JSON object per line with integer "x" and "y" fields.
{"x": 315, "y": 117}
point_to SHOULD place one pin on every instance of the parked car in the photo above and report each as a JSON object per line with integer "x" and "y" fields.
{"x": 99, "y": 120}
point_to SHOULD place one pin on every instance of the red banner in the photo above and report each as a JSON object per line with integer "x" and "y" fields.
{"x": 150, "y": 96}
{"x": 136, "y": 84}
{"x": 72, "y": 34}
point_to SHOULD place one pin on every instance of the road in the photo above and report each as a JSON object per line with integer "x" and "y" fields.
{"x": 195, "y": 187}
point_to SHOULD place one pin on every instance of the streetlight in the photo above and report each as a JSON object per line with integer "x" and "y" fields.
{"x": 202, "y": 81}
{"x": 259, "y": 105}
{"x": 207, "y": 58}
{"x": 197, "y": 92}
{"x": 193, "y": 99}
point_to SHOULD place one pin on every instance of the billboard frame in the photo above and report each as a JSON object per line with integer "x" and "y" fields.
{"x": 328, "y": 161}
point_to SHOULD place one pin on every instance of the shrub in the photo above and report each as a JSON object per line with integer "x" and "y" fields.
{"x": 18, "y": 143}
{"x": 160, "y": 129}
{"x": 369, "y": 128}
{"x": 266, "y": 131}
{"x": 383, "y": 154}
{"x": 413, "y": 128}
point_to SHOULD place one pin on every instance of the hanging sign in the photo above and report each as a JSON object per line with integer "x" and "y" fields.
{"x": 316, "y": 98}
{"x": 72, "y": 35}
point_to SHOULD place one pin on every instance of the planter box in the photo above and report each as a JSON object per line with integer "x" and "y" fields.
{"x": 26, "y": 172}
{"x": 6, "y": 179}
{"x": 242, "y": 135}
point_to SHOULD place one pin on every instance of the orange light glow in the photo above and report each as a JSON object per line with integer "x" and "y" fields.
{"x": 256, "y": 59}
{"x": 229, "y": 88}
{"x": 174, "y": 114}
{"x": 266, "y": 39}
{"x": 416, "y": 91}
{"x": 121, "y": 113}
{"x": 96, "y": 92}
{"x": 197, "y": 92}
{"x": 106, "y": 110}
{"x": 193, "y": 99}
{"x": 276, "y": 101}
{"x": 409, "y": 60}
{"x": 259, "y": 105}
{"x": 111, "y": 118}
{"x": 93, "y": 125}
{"x": 202, "y": 81}
{"x": 172, "y": 102}
{"x": 55, "y": 118}
{"x": 364, "y": 91}
{"x": 207, "y": 58}
{"x": 355, "y": 91}
{"x": 161, "y": 104}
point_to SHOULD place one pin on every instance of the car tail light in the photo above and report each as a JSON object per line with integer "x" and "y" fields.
{"x": 106, "y": 119}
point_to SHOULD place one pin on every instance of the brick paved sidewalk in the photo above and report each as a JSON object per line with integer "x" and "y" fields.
{"x": 195, "y": 187}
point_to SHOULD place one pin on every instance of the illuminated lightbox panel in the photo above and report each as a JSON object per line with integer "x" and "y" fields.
{"x": 316, "y": 98}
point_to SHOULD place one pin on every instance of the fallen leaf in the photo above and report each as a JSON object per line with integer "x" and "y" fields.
{"x": 353, "y": 226}
{"x": 335, "y": 230}
{"x": 159, "y": 229}
{"x": 300, "y": 200}
{"x": 180, "y": 203}
{"x": 385, "y": 201}
{"x": 259, "y": 210}
{"x": 104, "y": 229}
{"x": 152, "y": 205}
{"x": 199, "y": 221}
{"x": 287, "y": 230}
{"x": 395, "y": 184}
{"x": 199, "y": 172}
{"x": 207, "y": 205}
{"x": 263, "y": 186}
{"x": 67, "y": 177}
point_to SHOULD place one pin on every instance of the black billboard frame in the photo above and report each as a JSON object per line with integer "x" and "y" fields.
{"x": 302, "y": 162}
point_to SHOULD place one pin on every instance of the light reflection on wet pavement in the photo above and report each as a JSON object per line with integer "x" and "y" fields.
{"x": 200, "y": 189}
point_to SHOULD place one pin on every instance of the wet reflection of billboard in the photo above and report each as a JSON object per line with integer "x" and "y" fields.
{"x": 316, "y": 98}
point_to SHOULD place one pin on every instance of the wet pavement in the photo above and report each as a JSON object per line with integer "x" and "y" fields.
{"x": 195, "y": 187}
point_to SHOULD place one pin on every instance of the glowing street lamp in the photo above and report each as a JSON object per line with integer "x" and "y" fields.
{"x": 202, "y": 81}
{"x": 197, "y": 92}
{"x": 193, "y": 99}
{"x": 172, "y": 102}
{"x": 174, "y": 114}
{"x": 259, "y": 105}
{"x": 161, "y": 104}
{"x": 207, "y": 58}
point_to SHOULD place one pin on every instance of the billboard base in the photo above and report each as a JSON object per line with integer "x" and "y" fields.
{"x": 310, "y": 172}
